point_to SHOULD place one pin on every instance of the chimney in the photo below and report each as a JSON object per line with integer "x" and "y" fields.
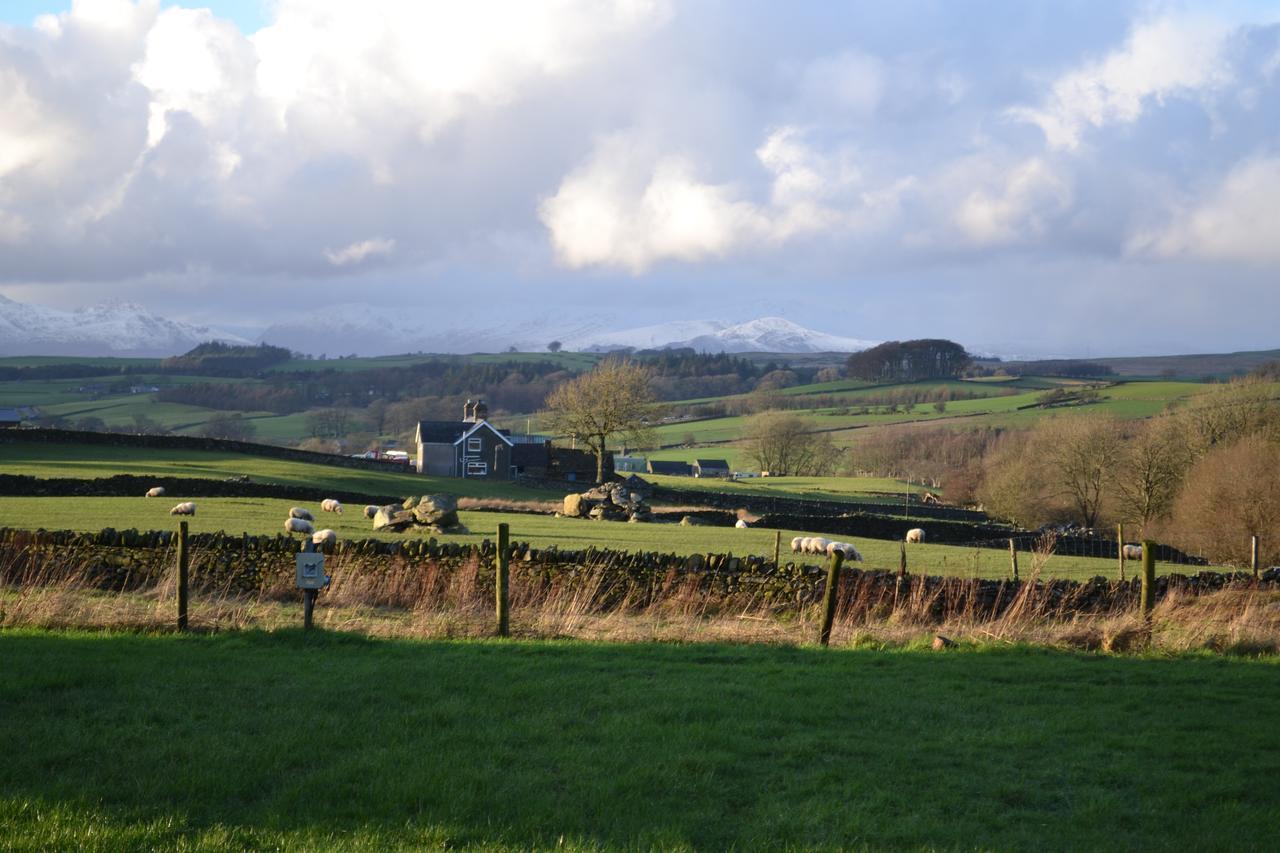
{"x": 480, "y": 412}
{"x": 469, "y": 411}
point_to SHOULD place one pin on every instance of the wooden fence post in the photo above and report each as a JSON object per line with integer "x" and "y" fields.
{"x": 1120, "y": 547}
{"x": 1013, "y": 558}
{"x": 1148, "y": 578}
{"x": 503, "y": 578}
{"x": 1253, "y": 554}
{"x": 829, "y": 597}
{"x": 777, "y": 548}
{"x": 184, "y": 570}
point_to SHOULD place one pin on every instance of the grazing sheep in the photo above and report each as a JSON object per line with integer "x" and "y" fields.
{"x": 370, "y": 511}
{"x": 741, "y": 524}
{"x": 797, "y": 545}
{"x": 324, "y": 537}
{"x": 331, "y": 505}
{"x": 845, "y": 548}
{"x": 298, "y": 525}
{"x": 299, "y": 512}
{"x": 915, "y": 534}
{"x": 819, "y": 545}
{"x": 1133, "y": 552}
{"x": 184, "y": 508}
{"x": 155, "y": 492}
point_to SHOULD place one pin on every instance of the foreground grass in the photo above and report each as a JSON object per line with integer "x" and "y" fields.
{"x": 266, "y": 516}
{"x": 233, "y": 740}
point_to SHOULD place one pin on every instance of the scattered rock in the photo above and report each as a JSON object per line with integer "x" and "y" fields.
{"x": 940, "y": 642}
{"x": 608, "y": 502}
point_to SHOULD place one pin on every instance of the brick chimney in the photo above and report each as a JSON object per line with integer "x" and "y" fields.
{"x": 469, "y": 412}
{"x": 480, "y": 412}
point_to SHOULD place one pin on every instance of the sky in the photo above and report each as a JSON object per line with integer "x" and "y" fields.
{"x": 1054, "y": 178}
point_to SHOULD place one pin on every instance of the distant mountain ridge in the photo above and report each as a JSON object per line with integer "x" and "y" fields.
{"x": 767, "y": 334}
{"x": 115, "y": 329}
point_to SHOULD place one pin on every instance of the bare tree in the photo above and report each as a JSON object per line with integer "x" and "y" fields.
{"x": 783, "y": 444}
{"x": 613, "y": 399}
{"x": 1081, "y": 453}
{"x": 1151, "y": 467}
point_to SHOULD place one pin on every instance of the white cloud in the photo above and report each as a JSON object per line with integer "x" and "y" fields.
{"x": 1238, "y": 221}
{"x": 359, "y": 252}
{"x": 1016, "y": 208}
{"x": 1163, "y": 58}
{"x": 851, "y": 83}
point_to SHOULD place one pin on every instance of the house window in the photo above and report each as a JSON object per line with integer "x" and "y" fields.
{"x": 473, "y": 445}
{"x": 477, "y": 469}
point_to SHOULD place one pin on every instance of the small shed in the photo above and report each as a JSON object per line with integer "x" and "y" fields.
{"x": 629, "y": 464}
{"x": 710, "y": 468}
{"x": 674, "y": 469}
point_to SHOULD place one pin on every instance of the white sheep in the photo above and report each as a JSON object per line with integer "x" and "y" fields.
{"x": 324, "y": 537}
{"x": 797, "y": 545}
{"x": 370, "y": 511}
{"x": 818, "y": 545}
{"x": 298, "y": 525}
{"x": 155, "y": 492}
{"x": 184, "y": 508}
{"x": 331, "y": 505}
{"x": 845, "y": 548}
{"x": 741, "y": 524}
{"x": 1133, "y": 552}
{"x": 915, "y": 534}
{"x": 299, "y": 512}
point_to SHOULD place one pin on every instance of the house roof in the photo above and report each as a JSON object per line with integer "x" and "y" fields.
{"x": 441, "y": 432}
{"x": 663, "y": 467}
{"x": 452, "y": 432}
{"x": 713, "y": 463}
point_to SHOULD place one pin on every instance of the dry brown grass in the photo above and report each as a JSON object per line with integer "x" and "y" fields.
{"x": 427, "y": 601}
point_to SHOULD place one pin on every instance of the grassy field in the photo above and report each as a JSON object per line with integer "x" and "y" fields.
{"x": 266, "y": 516}
{"x": 72, "y": 460}
{"x": 295, "y": 741}
{"x": 814, "y": 488}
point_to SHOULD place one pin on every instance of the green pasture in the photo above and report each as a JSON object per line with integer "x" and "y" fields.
{"x": 295, "y": 741}
{"x": 811, "y": 488}
{"x": 107, "y": 363}
{"x": 259, "y": 516}
{"x": 88, "y": 461}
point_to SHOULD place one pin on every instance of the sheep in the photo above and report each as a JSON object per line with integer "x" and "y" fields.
{"x": 845, "y": 548}
{"x": 298, "y": 525}
{"x": 1133, "y": 552}
{"x": 324, "y": 537}
{"x": 184, "y": 508}
{"x": 331, "y": 505}
{"x": 820, "y": 545}
{"x": 797, "y": 545}
{"x": 299, "y": 512}
{"x": 370, "y": 511}
{"x": 155, "y": 492}
{"x": 915, "y": 534}
{"x": 741, "y": 524}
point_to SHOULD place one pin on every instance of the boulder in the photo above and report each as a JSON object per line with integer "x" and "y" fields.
{"x": 410, "y": 502}
{"x": 574, "y": 506}
{"x": 439, "y": 511}
{"x": 391, "y": 517}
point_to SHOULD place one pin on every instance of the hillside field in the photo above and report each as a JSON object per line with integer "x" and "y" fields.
{"x": 324, "y": 740}
{"x": 267, "y": 515}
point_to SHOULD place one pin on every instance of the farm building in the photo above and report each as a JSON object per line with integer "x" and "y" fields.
{"x": 677, "y": 469}
{"x": 473, "y": 447}
{"x": 710, "y": 468}
{"x": 629, "y": 464}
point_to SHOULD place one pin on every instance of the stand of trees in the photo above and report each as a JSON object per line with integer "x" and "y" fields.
{"x": 614, "y": 399}
{"x": 909, "y": 361}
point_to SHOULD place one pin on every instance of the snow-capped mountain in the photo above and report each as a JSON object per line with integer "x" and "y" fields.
{"x": 372, "y": 331}
{"x": 119, "y": 329}
{"x": 767, "y": 334}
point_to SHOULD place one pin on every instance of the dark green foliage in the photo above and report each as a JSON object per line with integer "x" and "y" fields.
{"x": 220, "y": 359}
{"x": 909, "y": 361}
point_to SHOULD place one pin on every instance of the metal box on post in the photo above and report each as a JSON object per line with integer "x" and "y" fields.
{"x": 311, "y": 570}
